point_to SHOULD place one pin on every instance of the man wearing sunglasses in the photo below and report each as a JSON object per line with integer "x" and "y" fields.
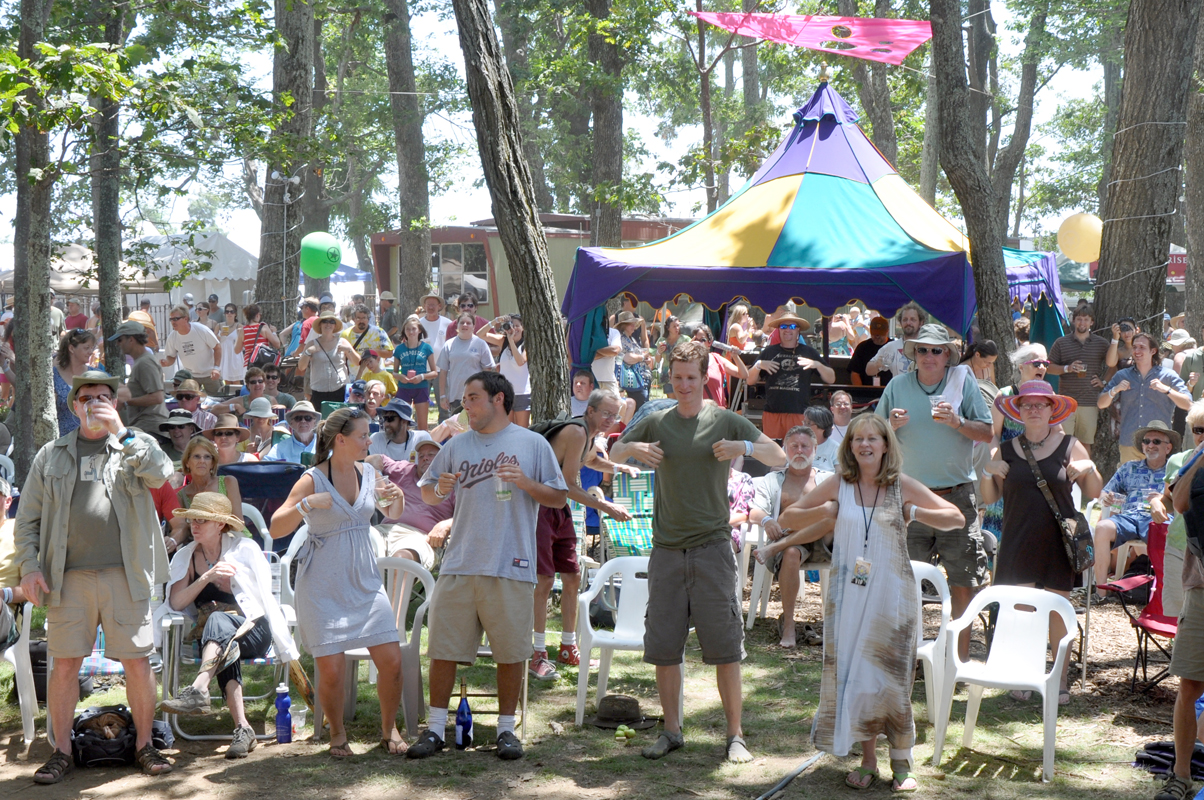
{"x": 787, "y": 370}
{"x": 1147, "y": 391}
{"x": 188, "y": 398}
{"x": 1080, "y": 358}
{"x": 938, "y": 413}
{"x": 1131, "y": 489}
{"x": 196, "y": 347}
{"x": 395, "y": 439}
{"x": 302, "y": 421}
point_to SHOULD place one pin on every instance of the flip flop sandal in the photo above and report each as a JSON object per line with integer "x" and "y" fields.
{"x": 812, "y": 636}
{"x": 737, "y": 750}
{"x": 868, "y": 775}
{"x": 394, "y": 747}
{"x": 54, "y": 770}
{"x": 900, "y": 778}
{"x": 341, "y": 751}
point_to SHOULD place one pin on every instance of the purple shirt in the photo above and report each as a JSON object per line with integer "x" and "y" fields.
{"x": 417, "y": 515}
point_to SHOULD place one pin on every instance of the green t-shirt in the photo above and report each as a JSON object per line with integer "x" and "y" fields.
{"x": 1176, "y": 532}
{"x": 933, "y": 453}
{"x": 93, "y": 535}
{"x": 691, "y": 507}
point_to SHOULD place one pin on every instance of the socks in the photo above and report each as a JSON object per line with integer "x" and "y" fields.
{"x": 568, "y": 638}
{"x": 541, "y": 641}
{"x": 437, "y": 722}
{"x": 505, "y": 722}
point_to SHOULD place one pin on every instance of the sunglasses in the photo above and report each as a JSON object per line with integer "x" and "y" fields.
{"x": 1154, "y": 441}
{"x": 272, "y": 377}
{"x": 231, "y": 311}
{"x": 187, "y": 397}
{"x": 85, "y": 398}
{"x": 304, "y": 418}
{"x": 468, "y": 305}
{"x": 788, "y": 326}
{"x": 1198, "y": 431}
{"x": 255, "y": 382}
{"x": 177, "y": 319}
{"x": 225, "y": 432}
{"x": 1037, "y": 362}
{"x": 389, "y": 418}
{"x": 928, "y": 351}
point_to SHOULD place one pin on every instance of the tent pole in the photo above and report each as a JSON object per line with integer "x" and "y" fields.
{"x": 823, "y": 324}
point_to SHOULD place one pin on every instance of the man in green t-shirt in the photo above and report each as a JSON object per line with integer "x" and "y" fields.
{"x": 692, "y": 572}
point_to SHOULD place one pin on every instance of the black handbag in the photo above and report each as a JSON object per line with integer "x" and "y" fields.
{"x": 1076, "y": 533}
{"x": 264, "y": 355}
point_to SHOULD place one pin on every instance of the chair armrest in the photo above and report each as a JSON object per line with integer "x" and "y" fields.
{"x": 1126, "y": 584}
{"x": 594, "y": 590}
{"x": 290, "y": 616}
{"x": 171, "y": 619}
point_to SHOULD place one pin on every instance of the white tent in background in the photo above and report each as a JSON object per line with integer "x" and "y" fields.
{"x": 232, "y": 272}
{"x": 72, "y": 272}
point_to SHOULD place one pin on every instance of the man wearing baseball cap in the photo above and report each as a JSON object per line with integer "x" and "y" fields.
{"x": 141, "y": 399}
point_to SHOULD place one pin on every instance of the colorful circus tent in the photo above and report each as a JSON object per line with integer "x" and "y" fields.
{"x": 826, "y": 220}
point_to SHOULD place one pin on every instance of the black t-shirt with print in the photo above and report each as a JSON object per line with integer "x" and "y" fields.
{"x": 787, "y": 390}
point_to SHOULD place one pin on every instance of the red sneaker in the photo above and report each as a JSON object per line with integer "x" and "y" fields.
{"x": 569, "y": 654}
{"x": 541, "y": 668}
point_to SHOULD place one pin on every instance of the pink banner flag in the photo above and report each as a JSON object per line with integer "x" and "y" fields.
{"x": 886, "y": 40}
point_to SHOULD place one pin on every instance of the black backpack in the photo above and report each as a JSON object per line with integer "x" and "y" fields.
{"x": 548, "y": 428}
{"x": 92, "y": 746}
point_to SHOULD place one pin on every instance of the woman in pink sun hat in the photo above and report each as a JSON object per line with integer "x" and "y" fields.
{"x": 1031, "y": 552}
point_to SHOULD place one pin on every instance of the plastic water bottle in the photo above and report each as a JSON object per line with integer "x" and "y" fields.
{"x": 284, "y": 720}
{"x": 463, "y": 720}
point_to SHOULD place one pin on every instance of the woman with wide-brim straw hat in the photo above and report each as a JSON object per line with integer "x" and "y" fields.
{"x": 227, "y": 435}
{"x": 330, "y": 356}
{"x": 221, "y": 576}
{"x": 1031, "y": 549}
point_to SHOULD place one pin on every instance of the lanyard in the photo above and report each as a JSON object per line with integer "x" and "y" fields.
{"x": 868, "y": 520}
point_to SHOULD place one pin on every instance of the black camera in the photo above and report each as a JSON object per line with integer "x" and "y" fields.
{"x": 506, "y": 326}
{"x": 1125, "y": 327}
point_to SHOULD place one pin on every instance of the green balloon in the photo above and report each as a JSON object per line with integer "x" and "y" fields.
{"x": 321, "y": 255}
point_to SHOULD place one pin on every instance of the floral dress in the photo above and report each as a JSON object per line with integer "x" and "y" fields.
{"x": 740, "y": 493}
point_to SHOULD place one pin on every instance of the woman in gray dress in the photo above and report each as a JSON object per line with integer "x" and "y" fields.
{"x": 341, "y": 603}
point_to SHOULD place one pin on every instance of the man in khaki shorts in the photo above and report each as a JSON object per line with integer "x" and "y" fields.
{"x": 89, "y": 547}
{"x": 501, "y": 474}
{"x": 692, "y": 573}
{"x": 1079, "y": 358}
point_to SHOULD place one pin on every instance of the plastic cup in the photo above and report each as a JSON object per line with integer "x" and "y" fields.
{"x": 299, "y": 715}
{"x": 94, "y": 424}
{"x": 502, "y": 490}
{"x": 934, "y": 400}
{"x": 382, "y": 486}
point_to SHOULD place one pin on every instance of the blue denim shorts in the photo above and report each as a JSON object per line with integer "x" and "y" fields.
{"x": 1130, "y": 527}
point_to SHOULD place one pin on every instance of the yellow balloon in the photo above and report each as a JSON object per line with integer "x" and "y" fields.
{"x": 1079, "y": 237}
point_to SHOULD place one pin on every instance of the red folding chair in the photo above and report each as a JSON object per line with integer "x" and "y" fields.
{"x": 1151, "y": 623}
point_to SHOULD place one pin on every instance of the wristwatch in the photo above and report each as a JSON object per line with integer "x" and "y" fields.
{"x": 126, "y": 435}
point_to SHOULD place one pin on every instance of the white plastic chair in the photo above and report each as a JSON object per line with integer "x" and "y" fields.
{"x": 252, "y": 515}
{"x": 18, "y": 656}
{"x": 762, "y": 583}
{"x": 1016, "y": 660}
{"x": 752, "y": 535}
{"x": 400, "y": 576}
{"x": 628, "y": 634}
{"x": 931, "y": 652}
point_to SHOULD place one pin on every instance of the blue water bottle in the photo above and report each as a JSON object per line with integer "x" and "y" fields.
{"x": 463, "y": 720}
{"x": 284, "y": 719}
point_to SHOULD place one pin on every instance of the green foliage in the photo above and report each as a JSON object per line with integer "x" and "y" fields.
{"x": 1067, "y": 173}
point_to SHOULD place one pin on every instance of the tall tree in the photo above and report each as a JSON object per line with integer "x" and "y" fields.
{"x": 963, "y": 158}
{"x": 930, "y": 151}
{"x": 280, "y": 221}
{"x": 1193, "y": 208}
{"x": 499, "y": 140}
{"x": 414, "y": 251}
{"x": 606, "y": 228}
{"x": 1147, "y": 151}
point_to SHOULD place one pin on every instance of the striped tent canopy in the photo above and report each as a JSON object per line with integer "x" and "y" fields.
{"x": 826, "y": 220}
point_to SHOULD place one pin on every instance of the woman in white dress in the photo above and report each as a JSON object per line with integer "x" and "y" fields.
{"x": 233, "y": 369}
{"x": 870, "y": 615}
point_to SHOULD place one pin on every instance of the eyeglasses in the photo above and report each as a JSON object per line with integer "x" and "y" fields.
{"x": 186, "y": 397}
{"x": 1031, "y": 406}
{"x": 788, "y": 326}
{"x": 1156, "y": 441}
{"x": 177, "y": 319}
{"x": 255, "y": 382}
{"x": 225, "y": 432}
{"x": 1037, "y": 362}
{"x": 303, "y": 418}
{"x": 231, "y": 311}
{"x": 1198, "y": 431}
{"x": 85, "y": 399}
{"x": 928, "y": 351}
{"x": 468, "y": 305}
{"x": 272, "y": 377}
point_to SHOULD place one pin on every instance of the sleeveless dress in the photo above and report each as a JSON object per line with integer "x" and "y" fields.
{"x": 341, "y": 602}
{"x": 233, "y": 368}
{"x": 1031, "y": 550}
{"x": 869, "y": 631}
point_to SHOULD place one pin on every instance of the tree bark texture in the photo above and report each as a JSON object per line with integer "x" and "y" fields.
{"x": 315, "y": 211}
{"x": 414, "y": 250}
{"x": 606, "y": 227}
{"x": 1160, "y": 39}
{"x": 105, "y": 170}
{"x": 873, "y": 90}
{"x": 499, "y": 140}
{"x": 930, "y": 149}
{"x": 282, "y": 218}
{"x": 34, "y": 414}
{"x": 964, "y": 163}
{"x": 1193, "y": 208}
{"x": 750, "y": 84}
{"x": 1008, "y": 159}
{"x": 708, "y": 124}
{"x": 980, "y": 45}
{"x": 1111, "y": 57}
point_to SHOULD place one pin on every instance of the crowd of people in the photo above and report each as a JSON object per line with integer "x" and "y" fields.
{"x": 940, "y": 466}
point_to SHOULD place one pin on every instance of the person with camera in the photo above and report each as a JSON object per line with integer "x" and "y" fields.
{"x": 512, "y": 362}
{"x": 718, "y": 367}
{"x": 787, "y": 369}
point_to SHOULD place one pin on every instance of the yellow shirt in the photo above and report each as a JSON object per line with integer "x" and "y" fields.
{"x": 384, "y": 377}
{"x": 10, "y": 573}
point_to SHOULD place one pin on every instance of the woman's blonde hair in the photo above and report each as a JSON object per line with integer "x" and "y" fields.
{"x": 195, "y": 442}
{"x": 1195, "y": 414}
{"x": 892, "y": 459}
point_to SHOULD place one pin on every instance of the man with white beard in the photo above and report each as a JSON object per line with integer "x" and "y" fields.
{"x": 777, "y": 492}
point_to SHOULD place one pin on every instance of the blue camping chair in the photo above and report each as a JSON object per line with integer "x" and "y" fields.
{"x": 265, "y": 485}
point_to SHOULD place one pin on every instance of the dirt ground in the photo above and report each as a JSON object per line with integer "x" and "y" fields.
{"x": 1098, "y": 734}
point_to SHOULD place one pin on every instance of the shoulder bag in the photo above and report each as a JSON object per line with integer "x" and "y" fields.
{"x": 263, "y": 354}
{"x": 1076, "y": 533}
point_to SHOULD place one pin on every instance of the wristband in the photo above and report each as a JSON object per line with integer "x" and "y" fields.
{"x": 8, "y": 595}
{"x": 912, "y": 515}
{"x": 960, "y": 422}
{"x": 748, "y": 449}
{"x": 440, "y": 496}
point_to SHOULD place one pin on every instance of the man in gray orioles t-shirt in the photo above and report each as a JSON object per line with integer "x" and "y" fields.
{"x": 502, "y": 474}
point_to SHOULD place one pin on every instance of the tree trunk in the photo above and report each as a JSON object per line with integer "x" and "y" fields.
{"x": 281, "y": 221}
{"x": 1111, "y": 57}
{"x": 105, "y": 169}
{"x": 753, "y": 109}
{"x": 979, "y": 47}
{"x": 873, "y": 90}
{"x": 708, "y": 123}
{"x": 516, "y": 38}
{"x": 315, "y": 211}
{"x": 606, "y": 227}
{"x": 499, "y": 140}
{"x": 1193, "y": 208}
{"x": 1160, "y": 38}
{"x": 414, "y": 250}
{"x": 1019, "y": 202}
{"x": 963, "y": 160}
{"x": 930, "y": 150}
{"x": 1004, "y": 172}
{"x": 35, "y": 421}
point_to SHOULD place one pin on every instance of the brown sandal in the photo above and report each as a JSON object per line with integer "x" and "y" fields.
{"x": 394, "y": 747}
{"x": 152, "y": 762}
{"x": 55, "y": 769}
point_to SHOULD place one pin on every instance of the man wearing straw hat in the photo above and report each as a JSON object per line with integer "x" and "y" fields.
{"x": 787, "y": 369}
{"x": 89, "y": 547}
